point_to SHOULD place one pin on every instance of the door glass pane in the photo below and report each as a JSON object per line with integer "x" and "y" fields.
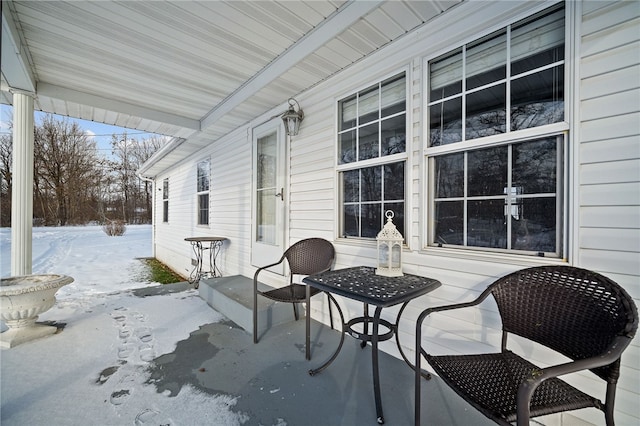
{"x": 267, "y": 162}
{"x": 266, "y": 214}
{"x": 266, "y": 200}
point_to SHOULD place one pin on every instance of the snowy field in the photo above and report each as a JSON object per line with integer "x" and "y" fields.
{"x": 97, "y": 262}
{"x": 95, "y": 371}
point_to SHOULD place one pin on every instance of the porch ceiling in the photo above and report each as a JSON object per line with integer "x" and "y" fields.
{"x": 193, "y": 70}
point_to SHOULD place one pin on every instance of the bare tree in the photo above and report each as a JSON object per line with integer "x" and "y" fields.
{"x": 66, "y": 169}
{"x": 144, "y": 150}
{"x": 6, "y": 149}
{"x": 73, "y": 184}
{"x": 134, "y": 193}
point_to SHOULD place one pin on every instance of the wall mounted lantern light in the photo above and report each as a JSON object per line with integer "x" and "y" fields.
{"x": 389, "y": 249}
{"x": 292, "y": 118}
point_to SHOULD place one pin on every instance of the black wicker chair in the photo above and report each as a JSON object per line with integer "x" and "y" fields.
{"x": 306, "y": 257}
{"x": 579, "y": 313}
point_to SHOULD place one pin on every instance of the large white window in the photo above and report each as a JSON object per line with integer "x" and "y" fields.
{"x": 497, "y": 137}
{"x": 203, "y": 178}
{"x": 372, "y": 156}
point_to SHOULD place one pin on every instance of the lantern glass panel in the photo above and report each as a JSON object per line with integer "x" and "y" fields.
{"x": 395, "y": 256}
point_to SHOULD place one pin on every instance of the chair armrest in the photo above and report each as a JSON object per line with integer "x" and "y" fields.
{"x": 260, "y": 269}
{"x": 429, "y": 311}
{"x": 528, "y": 387}
{"x": 418, "y": 337}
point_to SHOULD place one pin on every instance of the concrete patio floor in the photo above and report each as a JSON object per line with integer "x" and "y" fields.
{"x": 269, "y": 381}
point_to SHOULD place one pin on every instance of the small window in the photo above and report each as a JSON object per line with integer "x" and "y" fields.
{"x": 371, "y": 157}
{"x": 165, "y": 200}
{"x": 203, "y": 178}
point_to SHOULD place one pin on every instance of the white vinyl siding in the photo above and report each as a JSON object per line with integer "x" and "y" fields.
{"x": 609, "y": 168}
{"x": 230, "y": 204}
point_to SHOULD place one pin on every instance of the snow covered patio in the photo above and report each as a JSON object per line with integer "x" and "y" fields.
{"x": 162, "y": 356}
{"x": 130, "y": 352}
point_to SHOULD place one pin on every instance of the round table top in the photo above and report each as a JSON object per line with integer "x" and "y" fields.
{"x": 204, "y": 239}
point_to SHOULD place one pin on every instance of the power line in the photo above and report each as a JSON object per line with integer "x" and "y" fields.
{"x": 108, "y": 134}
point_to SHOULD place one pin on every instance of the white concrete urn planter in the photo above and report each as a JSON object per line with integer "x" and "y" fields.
{"x": 22, "y": 299}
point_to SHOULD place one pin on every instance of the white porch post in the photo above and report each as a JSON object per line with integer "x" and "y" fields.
{"x": 22, "y": 189}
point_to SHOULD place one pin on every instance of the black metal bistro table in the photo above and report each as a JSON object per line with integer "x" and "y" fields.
{"x": 199, "y": 246}
{"x": 362, "y": 284}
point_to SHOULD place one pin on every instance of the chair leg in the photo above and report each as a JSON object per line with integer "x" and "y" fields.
{"x": 330, "y": 311}
{"x": 307, "y": 324}
{"x": 295, "y": 311}
{"x": 255, "y": 317}
{"x": 608, "y": 405}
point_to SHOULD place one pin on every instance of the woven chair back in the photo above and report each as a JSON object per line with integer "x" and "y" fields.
{"x": 310, "y": 256}
{"x": 570, "y": 310}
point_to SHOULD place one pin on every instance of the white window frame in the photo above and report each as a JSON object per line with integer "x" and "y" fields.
{"x": 165, "y": 200}
{"x": 203, "y": 191}
{"x": 558, "y": 129}
{"x": 378, "y": 161}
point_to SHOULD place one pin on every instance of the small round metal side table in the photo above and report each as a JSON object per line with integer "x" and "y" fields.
{"x": 199, "y": 245}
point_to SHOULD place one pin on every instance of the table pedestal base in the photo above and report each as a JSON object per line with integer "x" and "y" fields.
{"x": 197, "y": 243}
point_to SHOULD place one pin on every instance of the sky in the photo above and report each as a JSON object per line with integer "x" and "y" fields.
{"x": 101, "y": 133}
{"x": 95, "y": 372}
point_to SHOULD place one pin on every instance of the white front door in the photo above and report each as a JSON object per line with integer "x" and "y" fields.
{"x": 269, "y": 194}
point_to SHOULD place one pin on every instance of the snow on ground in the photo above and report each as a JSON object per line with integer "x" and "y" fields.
{"x": 97, "y": 262}
{"x": 94, "y": 371}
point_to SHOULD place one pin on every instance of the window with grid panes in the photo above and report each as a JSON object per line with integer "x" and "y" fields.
{"x": 372, "y": 157}
{"x": 165, "y": 200}
{"x": 497, "y": 137}
{"x": 203, "y": 178}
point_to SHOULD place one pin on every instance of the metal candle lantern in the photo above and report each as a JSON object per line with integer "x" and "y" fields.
{"x": 389, "y": 249}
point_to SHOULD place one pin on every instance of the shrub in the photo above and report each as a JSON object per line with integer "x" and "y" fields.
{"x": 114, "y": 228}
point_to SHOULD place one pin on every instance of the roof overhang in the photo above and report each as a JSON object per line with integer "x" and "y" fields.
{"x": 191, "y": 70}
